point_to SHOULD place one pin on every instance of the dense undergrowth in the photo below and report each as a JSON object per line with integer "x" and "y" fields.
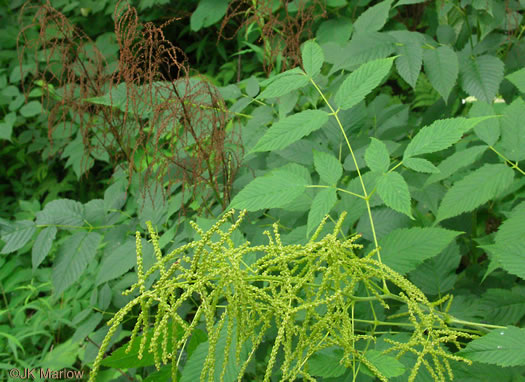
{"x": 381, "y": 141}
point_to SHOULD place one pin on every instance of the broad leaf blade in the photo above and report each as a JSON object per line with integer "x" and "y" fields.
{"x": 18, "y": 235}
{"x": 42, "y": 245}
{"x": 313, "y": 58}
{"x": 512, "y": 131}
{"x": 361, "y": 82}
{"x": 481, "y": 77}
{"x": 376, "y": 156}
{"x": 290, "y": 129}
{"x": 328, "y": 167}
{"x": 284, "y": 85}
{"x": 502, "y": 347}
{"x": 420, "y": 165}
{"x": 374, "y": 18}
{"x": 393, "y": 189}
{"x": 475, "y": 189}
{"x": 404, "y": 249}
{"x": 274, "y": 190}
{"x": 442, "y": 68}
{"x": 322, "y": 204}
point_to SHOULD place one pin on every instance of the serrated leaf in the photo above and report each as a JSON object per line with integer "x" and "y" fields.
{"x": 481, "y": 77}
{"x": 506, "y": 307}
{"x": 374, "y": 18}
{"x": 361, "y": 82}
{"x": 406, "y": 248}
{"x": 387, "y": 365}
{"x": 322, "y": 204}
{"x": 285, "y": 84}
{"x": 376, "y": 156}
{"x": 442, "y": 68}
{"x": 502, "y": 347}
{"x": 518, "y": 79}
{"x": 73, "y": 257}
{"x": 440, "y": 135}
{"x": 475, "y": 189}
{"x": 313, "y": 58}
{"x": 117, "y": 262}
{"x": 290, "y": 129}
{"x": 61, "y": 212}
{"x": 420, "y": 165}
{"x": 512, "y": 131}
{"x": 325, "y": 363}
{"x": 274, "y": 190}
{"x": 31, "y": 109}
{"x": 437, "y": 275}
{"x": 509, "y": 243}
{"x": 410, "y": 51}
{"x": 456, "y": 162}
{"x": 328, "y": 167}
{"x": 408, "y": 2}
{"x": 17, "y": 236}
{"x": 42, "y": 245}
{"x": 393, "y": 189}
{"x": 488, "y": 131}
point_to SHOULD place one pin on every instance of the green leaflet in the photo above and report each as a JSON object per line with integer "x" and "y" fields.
{"x": 512, "y": 131}
{"x": 404, "y": 249}
{"x": 420, "y": 165}
{"x": 393, "y": 189}
{"x": 208, "y": 12}
{"x": 273, "y": 190}
{"x": 389, "y": 366}
{"x": 328, "y": 167}
{"x": 290, "y": 129}
{"x": 62, "y": 212}
{"x": 18, "y": 234}
{"x": 509, "y": 246}
{"x": 322, "y": 204}
{"x": 325, "y": 363}
{"x": 475, "y": 189}
{"x": 440, "y": 135}
{"x": 410, "y": 51}
{"x": 456, "y": 162}
{"x": 284, "y": 83}
{"x": 374, "y": 18}
{"x": 481, "y": 76}
{"x": 117, "y": 262}
{"x": 488, "y": 131}
{"x": 518, "y": 79}
{"x": 361, "y": 82}
{"x": 502, "y": 347}
{"x": 73, "y": 257}
{"x": 442, "y": 68}
{"x": 42, "y": 245}
{"x": 377, "y": 157}
{"x": 313, "y": 58}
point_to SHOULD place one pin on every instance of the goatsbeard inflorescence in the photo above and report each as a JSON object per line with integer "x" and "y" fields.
{"x": 312, "y": 296}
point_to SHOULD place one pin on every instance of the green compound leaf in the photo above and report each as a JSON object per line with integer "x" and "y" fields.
{"x": 313, "y": 58}
{"x": 420, "y": 165}
{"x": 62, "y": 212}
{"x": 361, "y": 82}
{"x": 18, "y": 234}
{"x": 290, "y": 129}
{"x": 481, "y": 77}
{"x": 393, "y": 189}
{"x": 274, "y": 190}
{"x": 284, "y": 84}
{"x": 73, "y": 257}
{"x": 404, "y": 249}
{"x": 509, "y": 246}
{"x": 442, "y": 68}
{"x": 42, "y": 245}
{"x": 502, "y": 347}
{"x": 512, "y": 131}
{"x": 440, "y": 135}
{"x": 322, "y": 204}
{"x": 374, "y": 18}
{"x": 328, "y": 167}
{"x": 518, "y": 79}
{"x": 475, "y": 189}
{"x": 376, "y": 156}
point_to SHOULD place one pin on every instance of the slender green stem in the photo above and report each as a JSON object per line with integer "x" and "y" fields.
{"x": 338, "y": 189}
{"x": 513, "y": 165}
{"x": 365, "y": 194}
